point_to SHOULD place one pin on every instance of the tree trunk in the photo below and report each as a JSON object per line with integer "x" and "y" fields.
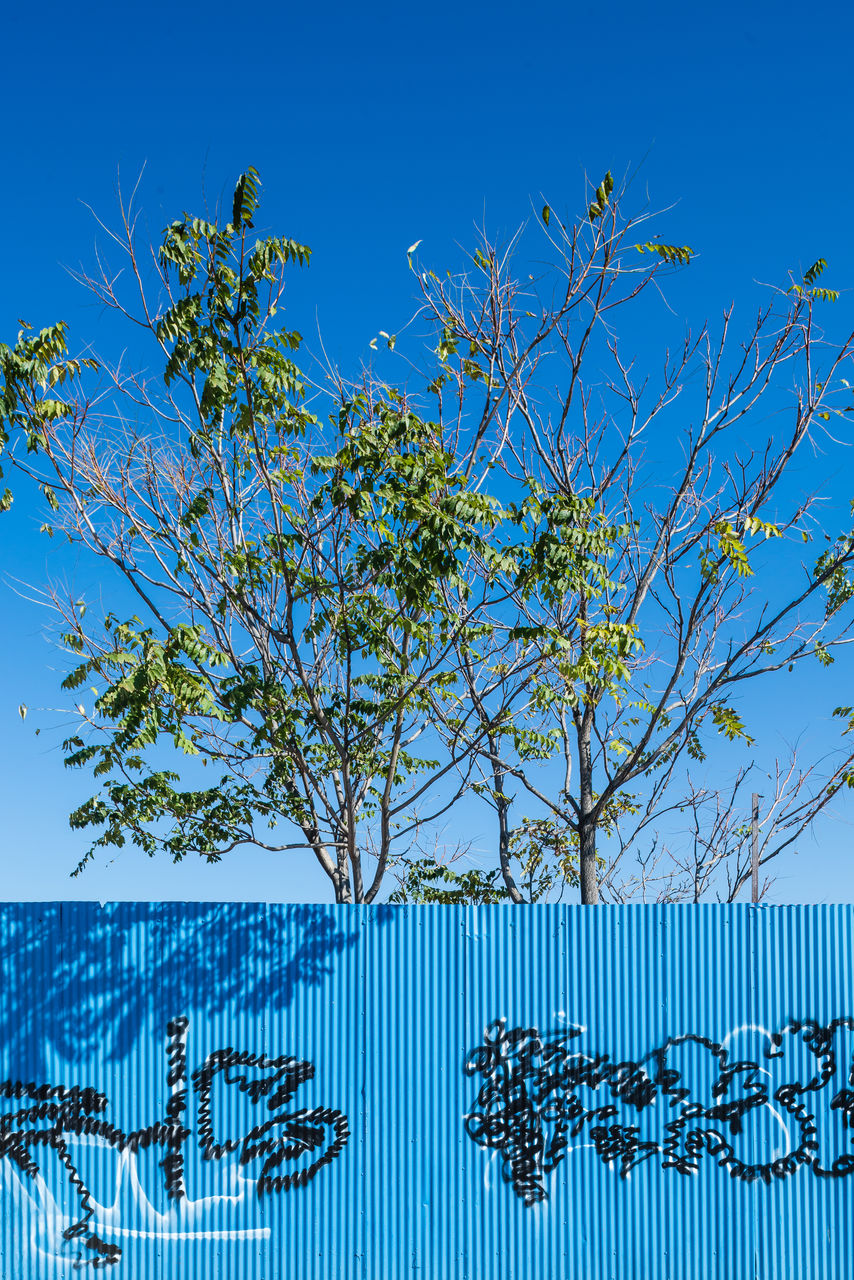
{"x": 589, "y": 874}
{"x": 343, "y": 892}
{"x": 504, "y": 852}
{"x": 337, "y": 870}
{"x": 502, "y": 806}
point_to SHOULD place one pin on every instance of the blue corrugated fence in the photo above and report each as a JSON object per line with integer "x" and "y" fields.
{"x": 266, "y": 1092}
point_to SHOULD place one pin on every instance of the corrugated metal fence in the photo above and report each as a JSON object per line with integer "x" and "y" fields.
{"x": 297, "y": 1091}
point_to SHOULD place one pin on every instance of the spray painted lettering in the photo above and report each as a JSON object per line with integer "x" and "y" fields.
{"x": 283, "y": 1148}
{"x": 761, "y": 1104}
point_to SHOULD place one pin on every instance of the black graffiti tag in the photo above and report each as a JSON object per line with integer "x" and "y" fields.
{"x": 684, "y": 1100}
{"x": 50, "y": 1116}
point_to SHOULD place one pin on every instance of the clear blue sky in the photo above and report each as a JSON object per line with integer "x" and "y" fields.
{"x": 373, "y": 126}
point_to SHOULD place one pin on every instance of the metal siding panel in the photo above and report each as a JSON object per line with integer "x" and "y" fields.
{"x": 385, "y": 1005}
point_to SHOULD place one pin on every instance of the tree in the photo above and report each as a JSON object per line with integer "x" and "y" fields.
{"x": 699, "y": 587}
{"x": 369, "y": 604}
{"x": 302, "y": 587}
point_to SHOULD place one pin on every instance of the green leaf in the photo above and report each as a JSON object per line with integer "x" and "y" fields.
{"x": 672, "y": 253}
{"x": 812, "y": 273}
{"x": 246, "y": 195}
{"x": 729, "y": 723}
{"x": 808, "y": 289}
{"x": 603, "y": 198}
